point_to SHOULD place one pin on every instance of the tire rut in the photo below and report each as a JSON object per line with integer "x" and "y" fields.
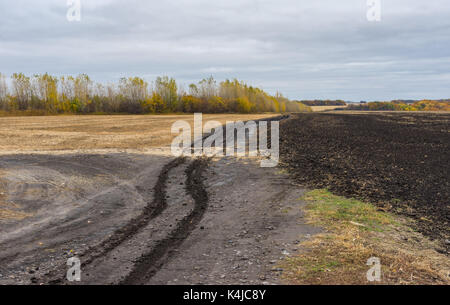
{"x": 149, "y": 264}
{"x": 151, "y": 211}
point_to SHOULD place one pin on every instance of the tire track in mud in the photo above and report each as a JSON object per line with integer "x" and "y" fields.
{"x": 151, "y": 211}
{"x": 147, "y": 265}
{"x": 150, "y": 263}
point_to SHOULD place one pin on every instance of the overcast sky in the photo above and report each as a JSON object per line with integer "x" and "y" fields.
{"x": 306, "y": 49}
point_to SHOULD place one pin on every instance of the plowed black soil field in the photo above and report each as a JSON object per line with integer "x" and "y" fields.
{"x": 399, "y": 161}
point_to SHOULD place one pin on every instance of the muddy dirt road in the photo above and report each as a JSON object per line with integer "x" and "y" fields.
{"x": 145, "y": 218}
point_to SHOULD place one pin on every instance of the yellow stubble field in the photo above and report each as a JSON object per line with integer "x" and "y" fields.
{"x": 96, "y": 132}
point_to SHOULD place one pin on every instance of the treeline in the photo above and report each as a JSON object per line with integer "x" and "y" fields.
{"x": 46, "y": 94}
{"x": 323, "y": 102}
{"x": 414, "y": 101}
{"x": 424, "y": 105}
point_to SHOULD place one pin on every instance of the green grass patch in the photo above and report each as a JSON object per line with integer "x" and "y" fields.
{"x": 336, "y": 211}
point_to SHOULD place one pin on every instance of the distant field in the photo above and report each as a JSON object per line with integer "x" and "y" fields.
{"x": 54, "y": 133}
{"x": 325, "y": 108}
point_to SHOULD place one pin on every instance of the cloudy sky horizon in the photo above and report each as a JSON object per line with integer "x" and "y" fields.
{"x": 323, "y": 49}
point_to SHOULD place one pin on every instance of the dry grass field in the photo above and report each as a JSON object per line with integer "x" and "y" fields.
{"x": 326, "y": 108}
{"x": 356, "y": 231}
{"x": 61, "y": 133}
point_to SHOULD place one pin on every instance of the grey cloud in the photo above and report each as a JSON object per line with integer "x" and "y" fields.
{"x": 306, "y": 49}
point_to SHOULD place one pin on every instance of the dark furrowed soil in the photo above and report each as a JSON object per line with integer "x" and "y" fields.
{"x": 399, "y": 161}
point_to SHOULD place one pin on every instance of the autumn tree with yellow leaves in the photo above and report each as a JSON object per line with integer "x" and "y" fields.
{"x": 46, "y": 94}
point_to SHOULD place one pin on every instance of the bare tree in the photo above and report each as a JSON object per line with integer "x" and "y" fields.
{"x": 193, "y": 90}
{"x": 208, "y": 88}
{"x": 133, "y": 88}
{"x": 45, "y": 88}
{"x": 22, "y": 90}
{"x": 167, "y": 89}
{"x": 67, "y": 88}
{"x": 3, "y": 91}
{"x": 82, "y": 88}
